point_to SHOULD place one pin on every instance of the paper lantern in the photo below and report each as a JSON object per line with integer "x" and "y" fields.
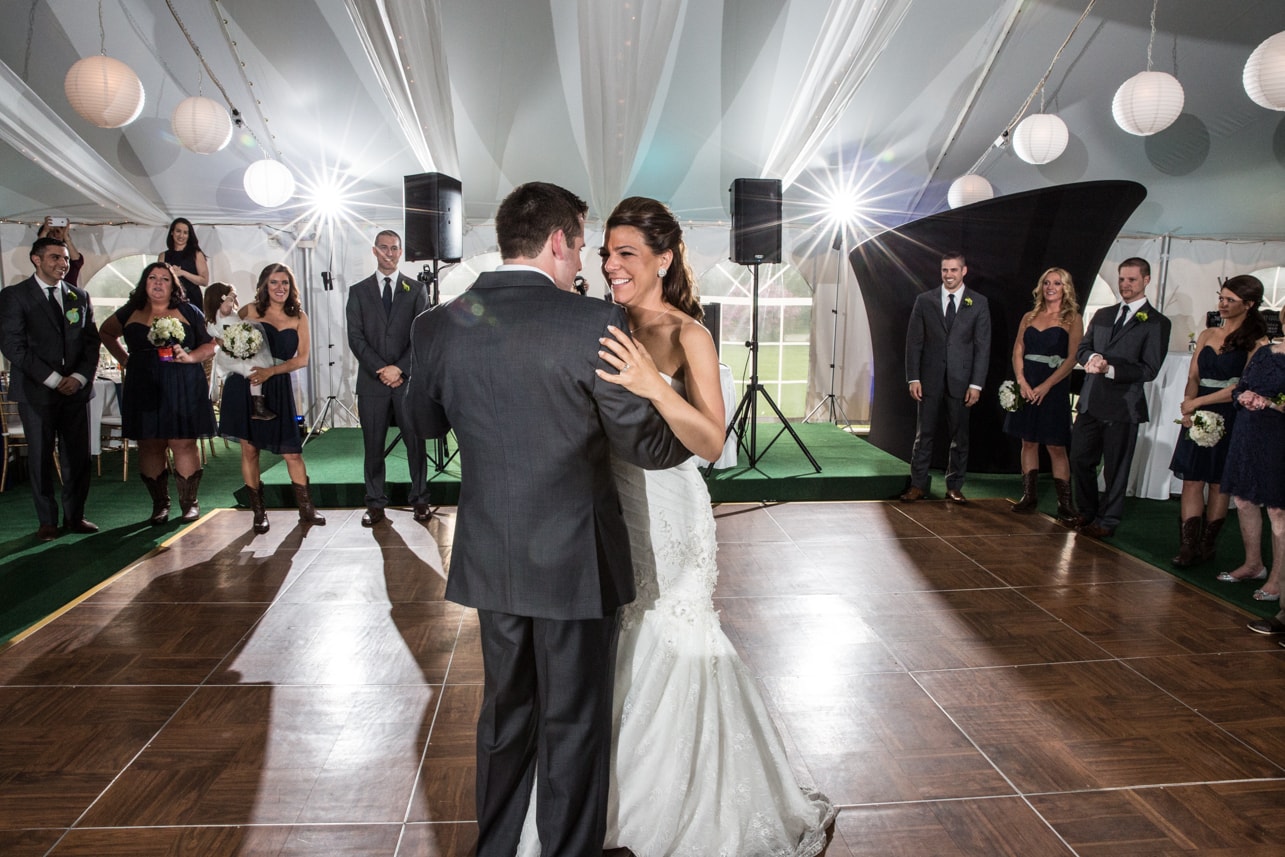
{"x": 104, "y": 91}
{"x": 1264, "y": 77}
{"x": 1040, "y": 138}
{"x": 269, "y": 183}
{"x": 202, "y": 125}
{"x": 968, "y": 189}
{"x": 1147, "y": 103}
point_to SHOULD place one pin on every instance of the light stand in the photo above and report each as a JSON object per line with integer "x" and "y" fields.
{"x": 747, "y": 411}
{"x": 831, "y": 400}
{"x": 317, "y": 426}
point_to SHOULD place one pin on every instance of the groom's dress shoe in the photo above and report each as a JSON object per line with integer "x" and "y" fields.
{"x": 1096, "y": 531}
{"x": 912, "y": 494}
{"x": 423, "y": 512}
{"x": 956, "y": 496}
{"x": 373, "y": 516}
{"x": 1270, "y": 625}
{"x": 47, "y": 532}
{"x": 82, "y": 526}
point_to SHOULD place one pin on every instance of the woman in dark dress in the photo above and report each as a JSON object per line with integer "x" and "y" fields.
{"x": 165, "y": 403}
{"x": 1254, "y": 472}
{"x": 185, "y": 260}
{"x": 1220, "y": 357}
{"x": 285, "y": 330}
{"x": 1047, "y": 336}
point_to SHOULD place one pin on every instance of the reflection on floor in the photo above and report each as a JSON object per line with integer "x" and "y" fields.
{"x": 963, "y": 681}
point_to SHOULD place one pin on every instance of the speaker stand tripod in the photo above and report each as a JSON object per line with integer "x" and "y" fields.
{"x": 831, "y": 401}
{"x": 744, "y": 419}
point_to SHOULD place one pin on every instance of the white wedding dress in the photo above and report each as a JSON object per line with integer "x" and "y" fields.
{"x": 698, "y": 769}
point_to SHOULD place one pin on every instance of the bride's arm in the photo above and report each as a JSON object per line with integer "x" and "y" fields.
{"x": 699, "y": 424}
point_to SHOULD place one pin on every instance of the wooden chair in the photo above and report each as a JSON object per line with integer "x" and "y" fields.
{"x": 111, "y": 439}
{"x": 15, "y": 438}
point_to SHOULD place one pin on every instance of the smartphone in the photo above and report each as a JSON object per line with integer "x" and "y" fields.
{"x": 57, "y": 221}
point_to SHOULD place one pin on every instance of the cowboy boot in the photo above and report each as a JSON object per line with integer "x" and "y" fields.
{"x": 259, "y": 410}
{"x": 1030, "y": 500}
{"x": 308, "y": 513}
{"x": 187, "y": 487}
{"x": 159, "y": 487}
{"x": 1189, "y": 538}
{"x": 1066, "y": 513}
{"x": 261, "y": 525}
{"x": 1208, "y": 538}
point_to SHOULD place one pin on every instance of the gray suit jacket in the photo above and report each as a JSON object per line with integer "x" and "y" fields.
{"x": 948, "y": 362}
{"x": 380, "y": 339}
{"x": 1137, "y": 353}
{"x": 37, "y": 342}
{"x": 509, "y": 365}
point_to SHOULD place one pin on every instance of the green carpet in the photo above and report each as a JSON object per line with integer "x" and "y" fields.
{"x": 37, "y": 579}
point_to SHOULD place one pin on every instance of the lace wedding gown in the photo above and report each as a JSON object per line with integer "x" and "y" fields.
{"x": 698, "y": 769}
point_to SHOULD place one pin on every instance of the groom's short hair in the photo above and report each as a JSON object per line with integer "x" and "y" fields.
{"x": 531, "y": 213}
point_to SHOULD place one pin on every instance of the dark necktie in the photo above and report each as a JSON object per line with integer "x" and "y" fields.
{"x": 1119, "y": 320}
{"x": 53, "y": 300}
{"x": 950, "y": 311}
{"x": 388, "y": 295}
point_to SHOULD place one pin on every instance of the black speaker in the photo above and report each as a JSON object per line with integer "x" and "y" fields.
{"x": 756, "y": 221}
{"x": 434, "y": 206}
{"x": 713, "y": 322}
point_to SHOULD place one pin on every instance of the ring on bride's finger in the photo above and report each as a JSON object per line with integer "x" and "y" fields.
{"x": 625, "y": 368}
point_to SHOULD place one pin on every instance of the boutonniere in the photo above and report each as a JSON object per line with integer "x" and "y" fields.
{"x": 71, "y": 296}
{"x": 1141, "y": 316}
{"x": 73, "y": 315}
{"x": 968, "y": 301}
{"x": 405, "y": 286}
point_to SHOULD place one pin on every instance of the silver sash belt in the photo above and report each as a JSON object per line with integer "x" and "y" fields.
{"x": 1052, "y": 360}
{"x": 1219, "y": 383}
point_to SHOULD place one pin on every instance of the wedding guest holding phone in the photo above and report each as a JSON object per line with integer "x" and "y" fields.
{"x": 1046, "y": 338}
{"x": 186, "y": 261}
{"x": 1201, "y": 452}
{"x": 60, "y": 228}
{"x": 165, "y": 403}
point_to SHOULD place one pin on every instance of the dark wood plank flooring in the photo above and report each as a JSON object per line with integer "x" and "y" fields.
{"x": 962, "y": 681}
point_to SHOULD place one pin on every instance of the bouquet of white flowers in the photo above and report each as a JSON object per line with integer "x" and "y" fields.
{"x": 1207, "y": 428}
{"x": 1010, "y": 397}
{"x": 241, "y": 349}
{"x": 165, "y": 333}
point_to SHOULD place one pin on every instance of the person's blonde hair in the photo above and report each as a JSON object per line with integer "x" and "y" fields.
{"x": 1070, "y": 305}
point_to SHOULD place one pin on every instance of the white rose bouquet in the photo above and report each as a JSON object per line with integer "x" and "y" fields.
{"x": 1207, "y": 428}
{"x": 241, "y": 349}
{"x": 165, "y": 333}
{"x": 1010, "y": 398}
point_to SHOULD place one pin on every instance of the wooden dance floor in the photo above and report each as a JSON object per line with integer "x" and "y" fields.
{"x": 961, "y": 681}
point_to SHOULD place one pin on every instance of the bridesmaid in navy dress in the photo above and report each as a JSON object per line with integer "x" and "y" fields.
{"x": 1048, "y": 334}
{"x": 186, "y": 260}
{"x": 1221, "y": 354}
{"x": 285, "y": 330}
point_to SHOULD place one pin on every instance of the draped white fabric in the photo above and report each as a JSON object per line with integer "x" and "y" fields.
{"x": 403, "y": 40}
{"x": 624, "y": 50}
{"x": 27, "y": 124}
{"x": 853, "y": 36}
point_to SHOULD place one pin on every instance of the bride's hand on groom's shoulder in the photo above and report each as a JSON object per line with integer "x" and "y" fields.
{"x": 635, "y": 370}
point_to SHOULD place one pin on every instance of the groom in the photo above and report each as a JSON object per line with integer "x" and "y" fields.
{"x": 540, "y": 546}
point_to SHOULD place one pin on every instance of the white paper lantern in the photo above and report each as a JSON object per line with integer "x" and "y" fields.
{"x": 104, "y": 91}
{"x": 1147, "y": 103}
{"x": 269, "y": 183}
{"x": 202, "y": 125}
{"x": 968, "y": 189}
{"x": 1040, "y": 138}
{"x": 1265, "y": 73}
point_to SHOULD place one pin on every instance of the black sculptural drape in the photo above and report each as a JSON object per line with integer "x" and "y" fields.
{"x": 1007, "y": 242}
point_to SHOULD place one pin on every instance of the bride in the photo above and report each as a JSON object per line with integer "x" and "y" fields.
{"x": 697, "y": 765}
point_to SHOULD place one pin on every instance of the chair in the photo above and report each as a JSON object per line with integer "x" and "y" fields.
{"x": 14, "y": 436}
{"x": 112, "y": 440}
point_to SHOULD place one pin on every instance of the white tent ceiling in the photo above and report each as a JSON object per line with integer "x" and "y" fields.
{"x": 667, "y": 98}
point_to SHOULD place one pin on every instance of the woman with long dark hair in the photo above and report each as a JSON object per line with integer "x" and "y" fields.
{"x": 278, "y": 311}
{"x": 165, "y": 403}
{"x": 186, "y": 261}
{"x": 1220, "y": 357}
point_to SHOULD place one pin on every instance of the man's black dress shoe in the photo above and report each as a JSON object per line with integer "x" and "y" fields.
{"x": 422, "y": 512}
{"x": 954, "y": 495}
{"x": 912, "y": 494}
{"x": 1270, "y": 625}
{"x": 47, "y": 532}
{"x": 82, "y": 526}
{"x": 373, "y": 516}
{"x": 1096, "y": 531}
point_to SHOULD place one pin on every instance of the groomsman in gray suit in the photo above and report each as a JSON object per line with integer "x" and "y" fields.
{"x": 541, "y": 549}
{"x": 948, "y": 346}
{"x": 1123, "y": 348}
{"x": 381, "y": 309}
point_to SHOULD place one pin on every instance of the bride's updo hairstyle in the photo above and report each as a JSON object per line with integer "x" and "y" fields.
{"x": 661, "y": 231}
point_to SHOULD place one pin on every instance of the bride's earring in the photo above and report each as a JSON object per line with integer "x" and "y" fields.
{"x": 661, "y": 272}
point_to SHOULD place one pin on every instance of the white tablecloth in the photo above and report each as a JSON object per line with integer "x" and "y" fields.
{"x": 1150, "y": 476}
{"x": 728, "y": 383}
{"x": 104, "y": 403}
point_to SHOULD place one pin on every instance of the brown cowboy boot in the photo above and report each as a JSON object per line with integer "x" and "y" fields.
{"x": 1189, "y": 538}
{"x": 308, "y": 513}
{"x": 1208, "y": 538}
{"x": 261, "y": 524}
{"x": 1030, "y": 500}
{"x": 159, "y": 487}
{"x": 1066, "y": 513}
{"x": 259, "y": 410}
{"x": 187, "y": 488}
